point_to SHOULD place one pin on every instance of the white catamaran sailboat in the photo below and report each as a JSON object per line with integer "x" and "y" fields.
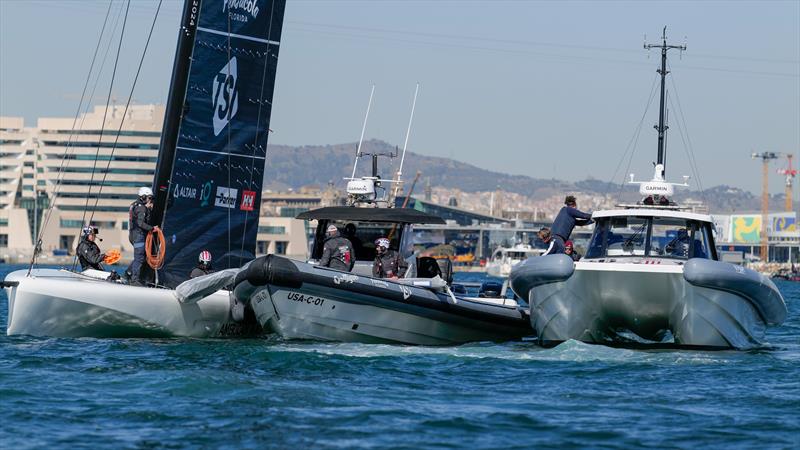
{"x": 207, "y": 184}
{"x": 650, "y": 276}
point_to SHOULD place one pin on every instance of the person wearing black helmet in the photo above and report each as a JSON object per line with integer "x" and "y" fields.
{"x": 89, "y": 254}
{"x": 203, "y": 265}
{"x": 138, "y": 227}
{"x": 337, "y": 252}
{"x": 388, "y": 263}
{"x": 565, "y": 222}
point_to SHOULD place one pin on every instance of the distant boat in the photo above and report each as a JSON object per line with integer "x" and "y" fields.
{"x": 207, "y": 185}
{"x": 651, "y": 275}
{"x": 504, "y": 259}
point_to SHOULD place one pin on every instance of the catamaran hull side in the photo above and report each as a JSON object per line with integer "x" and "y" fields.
{"x": 63, "y": 304}
{"x": 609, "y": 304}
{"x": 301, "y": 301}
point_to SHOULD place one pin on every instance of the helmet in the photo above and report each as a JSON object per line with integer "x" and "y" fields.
{"x": 331, "y": 229}
{"x": 88, "y": 229}
{"x": 205, "y": 257}
{"x": 382, "y": 242}
{"x": 568, "y": 244}
{"x": 145, "y": 191}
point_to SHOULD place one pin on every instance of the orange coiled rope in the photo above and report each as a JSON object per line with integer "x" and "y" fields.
{"x": 155, "y": 261}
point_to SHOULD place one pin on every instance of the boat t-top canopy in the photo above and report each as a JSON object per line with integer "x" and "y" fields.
{"x": 648, "y": 212}
{"x": 350, "y": 213}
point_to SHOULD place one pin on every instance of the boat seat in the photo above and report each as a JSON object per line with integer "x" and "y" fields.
{"x": 428, "y": 267}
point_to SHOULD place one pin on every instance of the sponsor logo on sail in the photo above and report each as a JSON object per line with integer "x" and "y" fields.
{"x": 226, "y": 197}
{"x": 184, "y": 192}
{"x": 240, "y": 9}
{"x": 248, "y": 200}
{"x": 205, "y": 193}
{"x": 224, "y": 96}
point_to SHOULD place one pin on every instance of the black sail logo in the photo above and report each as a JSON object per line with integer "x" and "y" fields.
{"x": 226, "y": 102}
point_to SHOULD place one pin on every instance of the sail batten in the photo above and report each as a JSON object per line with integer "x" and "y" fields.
{"x": 214, "y": 189}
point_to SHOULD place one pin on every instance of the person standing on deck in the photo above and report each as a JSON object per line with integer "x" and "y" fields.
{"x": 337, "y": 252}
{"x": 546, "y": 237}
{"x": 565, "y": 222}
{"x": 138, "y": 227}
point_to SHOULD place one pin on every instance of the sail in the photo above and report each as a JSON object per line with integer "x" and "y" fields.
{"x": 213, "y": 192}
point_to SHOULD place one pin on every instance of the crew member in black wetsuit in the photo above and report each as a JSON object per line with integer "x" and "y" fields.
{"x": 203, "y": 265}
{"x": 89, "y": 253}
{"x": 337, "y": 252}
{"x": 388, "y": 263}
{"x": 138, "y": 227}
{"x": 565, "y": 222}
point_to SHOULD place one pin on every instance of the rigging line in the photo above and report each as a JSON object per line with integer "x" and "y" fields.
{"x": 69, "y": 148}
{"x": 635, "y": 132}
{"x": 125, "y": 112}
{"x": 628, "y": 167}
{"x": 258, "y": 129}
{"x": 228, "y": 135}
{"x": 102, "y": 126}
{"x": 38, "y": 243}
{"x": 563, "y": 58}
{"x": 692, "y": 166}
{"x": 523, "y": 42}
{"x": 693, "y": 156}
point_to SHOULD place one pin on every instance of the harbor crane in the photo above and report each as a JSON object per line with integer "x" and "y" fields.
{"x": 790, "y": 173}
{"x": 765, "y": 158}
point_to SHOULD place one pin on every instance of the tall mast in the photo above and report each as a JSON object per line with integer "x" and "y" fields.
{"x": 174, "y": 109}
{"x": 661, "y": 127}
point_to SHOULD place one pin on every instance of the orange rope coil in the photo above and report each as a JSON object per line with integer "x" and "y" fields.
{"x": 155, "y": 261}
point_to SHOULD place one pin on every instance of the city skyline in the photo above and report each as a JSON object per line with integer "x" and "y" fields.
{"x": 541, "y": 89}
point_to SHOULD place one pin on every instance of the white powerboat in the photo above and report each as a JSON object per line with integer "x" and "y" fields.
{"x": 504, "y": 259}
{"x": 218, "y": 141}
{"x": 650, "y": 276}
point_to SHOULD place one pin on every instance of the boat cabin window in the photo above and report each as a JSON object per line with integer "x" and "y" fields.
{"x": 661, "y": 237}
{"x": 361, "y": 234}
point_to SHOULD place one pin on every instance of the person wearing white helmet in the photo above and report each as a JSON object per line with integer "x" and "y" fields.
{"x": 138, "y": 227}
{"x": 337, "y": 252}
{"x": 388, "y": 263}
{"x": 203, "y": 265}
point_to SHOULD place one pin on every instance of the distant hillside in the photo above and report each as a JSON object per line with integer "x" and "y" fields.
{"x": 294, "y": 167}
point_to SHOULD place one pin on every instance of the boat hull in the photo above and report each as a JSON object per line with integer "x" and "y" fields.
{"x": 306, "y": 302}
{"x": 59, "y": 303}
{"x": 615, "y": 303}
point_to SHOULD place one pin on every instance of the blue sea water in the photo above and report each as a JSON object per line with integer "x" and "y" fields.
{"x": 265, "y": 393}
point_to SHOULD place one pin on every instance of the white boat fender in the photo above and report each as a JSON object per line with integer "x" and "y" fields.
{"x": 191, "y": 291}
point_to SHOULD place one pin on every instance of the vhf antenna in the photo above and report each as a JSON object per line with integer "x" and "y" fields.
{"x": 661, "y": 127}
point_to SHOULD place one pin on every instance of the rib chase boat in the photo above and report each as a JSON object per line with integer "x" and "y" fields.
{"x": 208, "y": 187}
{"x": 650, "y": 276}
{"x": 301, "y": 300}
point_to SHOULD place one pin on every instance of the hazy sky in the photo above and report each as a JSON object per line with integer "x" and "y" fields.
{"x": 547, "y": 89}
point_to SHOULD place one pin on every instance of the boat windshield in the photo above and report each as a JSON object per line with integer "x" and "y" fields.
{"x": 658, "y": 237}
{"x": 363, "y": 235}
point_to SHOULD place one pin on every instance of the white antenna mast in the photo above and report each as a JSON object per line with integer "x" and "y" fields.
{"x": 405, "y": 145}
{"x": 363, "y": 128}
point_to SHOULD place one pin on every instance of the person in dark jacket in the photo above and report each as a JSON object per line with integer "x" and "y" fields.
{"x": 89, "y": 253}
{"x": 565, "y": 222}
{"x": 203, "y": 265}
{"x": 337, "y": 252}
{"x": 569, "y": 250}
{"x": 388, "y": 263}
{"x": 138, "y": 227}
{"x": 547, "y": 237}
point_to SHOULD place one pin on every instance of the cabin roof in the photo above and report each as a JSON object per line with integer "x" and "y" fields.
{"x": 647, "y": 212}
{"x": 395, "y": 215}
